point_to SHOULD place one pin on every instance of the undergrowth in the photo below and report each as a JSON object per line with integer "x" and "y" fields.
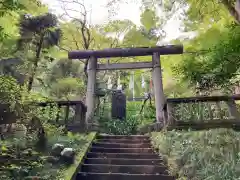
{"x": 201, "y": 155}
{"x": 129, "y": 126}
{"x": 25, "y": 148}
{"x": 23, "y": 160}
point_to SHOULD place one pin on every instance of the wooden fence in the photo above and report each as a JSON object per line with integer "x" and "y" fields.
{"x": 179, "y": 113}
{"x": 202, "y": 112}
{"x": 72, "y": 123}
{"x": 73, "y": 113}
{"x": 198, "y": 113}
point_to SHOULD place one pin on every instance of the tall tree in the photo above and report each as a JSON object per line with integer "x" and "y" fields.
{"x": 38, "y": 32}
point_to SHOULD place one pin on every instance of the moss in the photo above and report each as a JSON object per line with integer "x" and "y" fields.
{"x": 72, "y": 171}
{"x": 34, "y": 163}
{"x": 198, "y": 155}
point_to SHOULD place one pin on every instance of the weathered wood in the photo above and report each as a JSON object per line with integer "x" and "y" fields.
{"x": 158, "y": 87}
{"x": 60, "y": 103}
{"x": 180, "y": 125}
{"x": 119, "y": 66}
{"x": 230, "y": 123}
{"x": 233, "y": 109}
{"x": 58, "y": 111}
{"x": 202, "y": 99}
{"x": 78, "y": 116}
{"x": 170, "y": 116}
{"x": 126, "y": 52}
{"x": 194, "y": 99}
{"x": 66, "y": 114}
{"x": 91, "y": 87}
{"x": 200, "y": 110}
{"x": 219, "y": 109}
{"x": 210, "y": 111}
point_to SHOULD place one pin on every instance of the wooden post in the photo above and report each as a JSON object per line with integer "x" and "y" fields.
{"x": 90, "y": 95}
{"x": 233, "y": 109}
{"x": 58, "y": 111}
{"x": 66, "y": 114}
{"x": 158, "y": 87}
{"x": 171, "y": 120}
{"x": 78, "y": 120}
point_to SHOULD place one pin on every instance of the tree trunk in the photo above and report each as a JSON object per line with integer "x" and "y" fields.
{"x": 237, "y": 8}
{"x": 35, "y": 65}
{"x": 234, "y": 11}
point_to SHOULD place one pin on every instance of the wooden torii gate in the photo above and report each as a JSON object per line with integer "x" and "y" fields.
{"x": 155, "y": 64}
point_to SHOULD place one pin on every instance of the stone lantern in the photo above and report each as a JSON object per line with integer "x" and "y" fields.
{"x": 101, "y": 88}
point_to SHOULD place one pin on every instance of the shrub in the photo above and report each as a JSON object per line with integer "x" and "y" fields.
{"x": 211, "y": 154}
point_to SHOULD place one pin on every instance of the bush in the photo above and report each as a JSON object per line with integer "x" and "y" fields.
{"x": 22, "y": 157}
{"x": 119, "y": 127}
{"x": 198, "y": 155}
{"x": 24, "y": 160}
{"x": 131, "y": 124}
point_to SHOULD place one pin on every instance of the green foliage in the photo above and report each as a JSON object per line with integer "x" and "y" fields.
{"x": 126, "y": 126}
{"x": 24, "y": 161}
{"x": 9, "y": 90}
{"x": 64, "y": 79}
{"x": 212, "y": 154}
{"x": 9, "y": 5}
{"x": 149, "y": 19}
{"x": 131, "y": 124}
{"x": 216, "y": 68}
{"x": 201, "y": 112}
{"x": 6, "y": 7}
{"x": 119, "y": 127}
{"x": 10, "y": 10}
{"x": 67, "y": 88}
{"x": 44, "y": 26}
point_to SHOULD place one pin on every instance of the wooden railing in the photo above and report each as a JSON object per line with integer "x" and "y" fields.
{"x": 78, "y": 108}
{"x": 202, "y": 112}
{"x": 47, "y": 111}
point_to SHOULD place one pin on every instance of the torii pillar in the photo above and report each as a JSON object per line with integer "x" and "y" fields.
{"x": 158, "y": 87}
{"x": 91, "y": 86}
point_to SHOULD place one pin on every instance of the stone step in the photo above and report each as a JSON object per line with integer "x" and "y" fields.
{"x": 123, "y": 155}
{"x": 121, "y": 145}
{"x": 123, "y": 141}
{"x": 121, "y": 150}
{"x": 133, "y": 137}
{"x": 130, "y": 169}
{"x": 119, "y": 161}
{"x": 123, "y": 158}
{"x": 120, "y": 176}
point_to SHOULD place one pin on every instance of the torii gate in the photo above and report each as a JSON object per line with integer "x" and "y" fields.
{"x": 155, "y": 64}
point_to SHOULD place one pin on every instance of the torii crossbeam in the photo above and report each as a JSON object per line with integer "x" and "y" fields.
{"x": 126, "y": 52}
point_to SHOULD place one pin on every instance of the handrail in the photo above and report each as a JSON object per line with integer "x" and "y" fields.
{"x": 62, "y": 103}
{"x": 79, "y": 116}
{"x": 202, "y": 99}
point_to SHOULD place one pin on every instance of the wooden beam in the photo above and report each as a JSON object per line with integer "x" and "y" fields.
{"x": 228, "y": 123}
{"x": 180, "y": 125}
{"x": 126, "y": 52}
{"x": 131, "y": 65}
{"x": 60, "y": 103}
{"x": 203, "y": 99}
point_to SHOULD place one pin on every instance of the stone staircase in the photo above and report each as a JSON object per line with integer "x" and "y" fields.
{"x": 122, "y": 158}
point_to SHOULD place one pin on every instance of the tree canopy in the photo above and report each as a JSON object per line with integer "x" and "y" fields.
{"x": 34, "y": 64}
